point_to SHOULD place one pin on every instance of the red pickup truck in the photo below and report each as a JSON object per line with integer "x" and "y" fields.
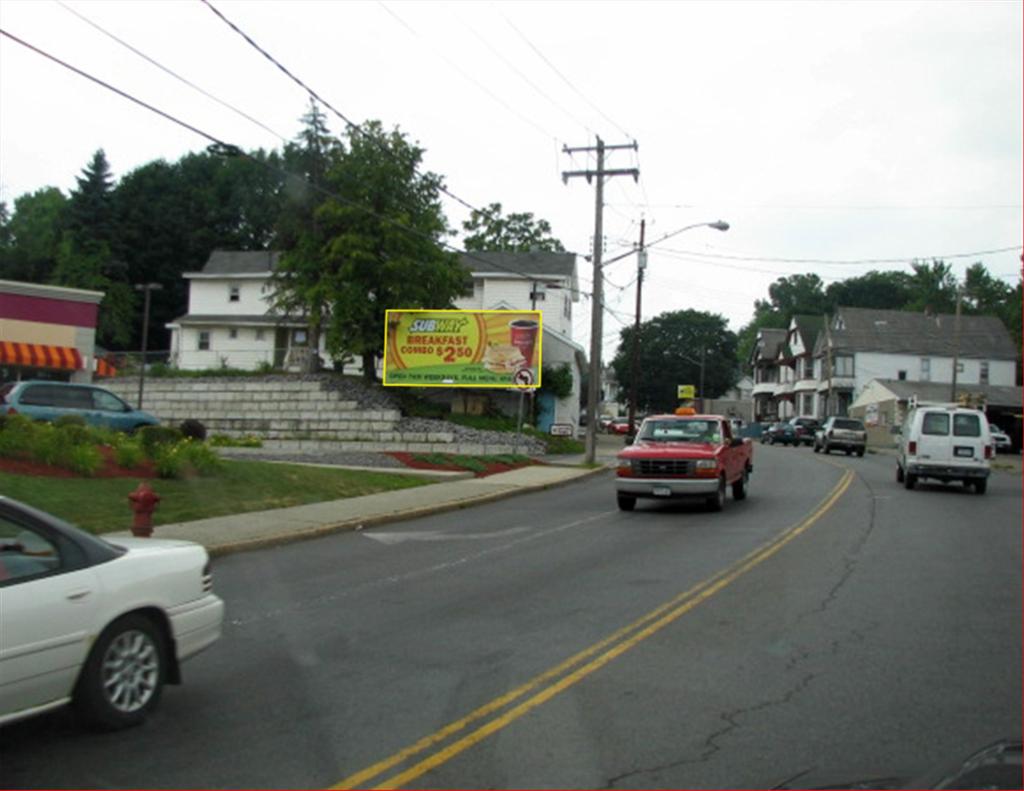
{"x": 684, "y": 456}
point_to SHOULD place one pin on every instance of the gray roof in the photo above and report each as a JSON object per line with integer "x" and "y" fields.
{"x": 534, "y": 264}
{"x": 241, "y": 262}
{"x": 903, "y": 332}
{"x": 767, "y": 347}
{"x": 939, "y": 392}
{"x": 809, "y": 327}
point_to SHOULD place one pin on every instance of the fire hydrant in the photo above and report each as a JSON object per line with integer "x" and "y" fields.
{"x": 143, "y": 503}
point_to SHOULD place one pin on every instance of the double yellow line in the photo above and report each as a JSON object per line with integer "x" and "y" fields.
{"x": 574, "y": 669}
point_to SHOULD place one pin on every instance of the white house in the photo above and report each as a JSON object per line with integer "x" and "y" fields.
{"x": 229, "y": 323}
{"x": 537, "y": 281}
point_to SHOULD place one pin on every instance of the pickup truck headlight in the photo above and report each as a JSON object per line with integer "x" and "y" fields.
{"x": 625, "y": 467}
{"x": 706, "y": 464}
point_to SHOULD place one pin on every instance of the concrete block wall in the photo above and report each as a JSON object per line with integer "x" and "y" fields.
{"x": 289, "y": 415}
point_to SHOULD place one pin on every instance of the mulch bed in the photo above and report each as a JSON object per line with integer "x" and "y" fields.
{"x": 490, "y": 468}
{"x": 110, "y": 468}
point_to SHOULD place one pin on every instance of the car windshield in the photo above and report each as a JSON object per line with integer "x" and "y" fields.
{"x": 681, "y": 431}
{"x": 851, "y": 425}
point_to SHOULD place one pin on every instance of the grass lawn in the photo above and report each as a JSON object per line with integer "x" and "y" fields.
{"x": 101, "y": 504}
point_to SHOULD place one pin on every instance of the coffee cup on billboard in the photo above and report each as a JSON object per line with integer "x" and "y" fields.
{"x": 524, "y": 337}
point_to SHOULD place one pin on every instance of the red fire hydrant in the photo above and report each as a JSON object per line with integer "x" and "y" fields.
{"x": 143, "y": 503}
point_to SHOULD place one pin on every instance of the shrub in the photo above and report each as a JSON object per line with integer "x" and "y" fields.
{"x": 246, "y": 441}
{"x": 82, "y": 459}
{"x": 45, "y": 446}
{"x": 17, "y": 436}
{"x": 129, "y": 454}
{"x": 69, "y": 420}
{"x": 155, "y": 437}
{"x": 193, "y": 429}
{"x": 199, "y": 457}
{"x": 74, "y": 434}
{"x": 168, "y": 462}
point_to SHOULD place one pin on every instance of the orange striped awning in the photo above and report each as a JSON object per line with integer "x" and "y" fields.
{"x": 36, "y": 355}
{"x": 103, "y": 368}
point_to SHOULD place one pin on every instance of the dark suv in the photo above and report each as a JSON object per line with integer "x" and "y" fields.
{"x": 803, "y": 430}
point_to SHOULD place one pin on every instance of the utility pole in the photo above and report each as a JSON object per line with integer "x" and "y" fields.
{"x": 702, "y": 351}
{"x": 641, "y": 264}
{"x": 597, "y": 302}
{"x": 146, "y": 288}
{"x": 956, "y": 343}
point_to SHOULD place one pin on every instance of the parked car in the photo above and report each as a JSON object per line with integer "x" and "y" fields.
{"x": 51, "y": 400}
{"x": 945, "y": 443}
{"x": 604, "y": 420}
{"x": 776, "y": 433}
{"x": 681, "y": 456}
{"x": 1000, "y": 439}
{"x": 620, "y": 425}
{"x": 99, "y": 624}
{"x": 803, "y": 430}
{"x": 841, "y": 433}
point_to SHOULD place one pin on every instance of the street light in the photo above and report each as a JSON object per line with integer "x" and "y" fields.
{"x": 146, "y": 288}
{"x": 718, "y": 225}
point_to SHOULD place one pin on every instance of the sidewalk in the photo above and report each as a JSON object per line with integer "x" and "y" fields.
{"x": 226, "y": 534}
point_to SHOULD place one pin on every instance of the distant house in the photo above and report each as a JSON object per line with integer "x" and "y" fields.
{"x": 229, "y": 323}
{"x": 819, "y": 366}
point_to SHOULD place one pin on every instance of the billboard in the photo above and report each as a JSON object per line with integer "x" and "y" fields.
{"x": 462, "y": 348}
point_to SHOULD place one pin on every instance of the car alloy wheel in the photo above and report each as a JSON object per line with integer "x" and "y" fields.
{"x": 123, "y": 677}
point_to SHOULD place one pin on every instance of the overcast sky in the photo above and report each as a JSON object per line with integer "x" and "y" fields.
{"x": 826, "y": 131}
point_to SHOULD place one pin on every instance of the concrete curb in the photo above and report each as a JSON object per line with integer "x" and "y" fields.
{"x": 357, "y": 523}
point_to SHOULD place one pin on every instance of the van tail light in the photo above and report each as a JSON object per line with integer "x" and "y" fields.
{"x": 988, "y": 451}
{"x": 912, "y": 448}
{"x": 12, "y": 411}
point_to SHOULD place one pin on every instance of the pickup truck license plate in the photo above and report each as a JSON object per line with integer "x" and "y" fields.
{"x": 964, "y": 452}
{"x": 661, "y": 491}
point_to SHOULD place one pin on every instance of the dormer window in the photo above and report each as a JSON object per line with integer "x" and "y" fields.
{"x": 839, "y": 324}
{"x": 234, "y": 293}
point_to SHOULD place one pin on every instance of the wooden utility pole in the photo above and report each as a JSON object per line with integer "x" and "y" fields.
{"x": 641, "y": 264}
{"x": 956, "y": 344}
{"x": 597, "y": 300}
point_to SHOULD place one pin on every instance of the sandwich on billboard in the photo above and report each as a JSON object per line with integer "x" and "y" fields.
{"x": 462, "y": 348}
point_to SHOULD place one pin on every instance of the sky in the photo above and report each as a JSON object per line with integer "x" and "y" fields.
{"x": 823, "y": 133}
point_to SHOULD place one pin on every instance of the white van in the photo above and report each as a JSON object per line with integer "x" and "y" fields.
{"x": 945, "y": 443}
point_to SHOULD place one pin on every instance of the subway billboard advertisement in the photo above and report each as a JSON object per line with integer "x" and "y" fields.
{"x": 462, "y": 348}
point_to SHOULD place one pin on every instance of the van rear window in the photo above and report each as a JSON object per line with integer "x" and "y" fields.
{"x": 935, "y": 424}
{"x": 966, "y": 426}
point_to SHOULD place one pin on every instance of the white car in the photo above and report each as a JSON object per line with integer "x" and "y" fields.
{"x": 99, "y": 624}
{"x": 1000, "y": 439}
{"x": 945, "y": 443}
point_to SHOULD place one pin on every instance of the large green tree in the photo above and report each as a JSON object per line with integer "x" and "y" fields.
{"x": 489, "y": 230}
{"x": 33, "y": 231}
{"x": 670, "y": 347}
{"x": 879, "y": 290}
{"x": 932, "y": 287}
{"x": 377, "y": 244}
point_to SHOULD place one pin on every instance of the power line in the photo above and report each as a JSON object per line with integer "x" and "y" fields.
{"x": 168, "y": 71}
{"x": 353, "y": 127}
{"x": 847, "y": 262}
{"x": 564, "y": 79}
{"x": 228, "y": 149}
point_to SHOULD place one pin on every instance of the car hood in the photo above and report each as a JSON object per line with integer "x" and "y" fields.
{"x": 691, "y": 450}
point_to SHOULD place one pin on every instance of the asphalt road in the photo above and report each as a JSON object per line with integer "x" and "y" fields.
{"x": 831, "y": 627}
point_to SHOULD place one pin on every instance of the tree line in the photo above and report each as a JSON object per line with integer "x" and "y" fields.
{"x": 360, "y": 225}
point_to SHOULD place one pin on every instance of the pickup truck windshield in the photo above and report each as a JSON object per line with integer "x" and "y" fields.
{"x": 681, "y": 431}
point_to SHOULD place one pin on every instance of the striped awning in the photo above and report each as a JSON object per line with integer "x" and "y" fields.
{"x": 36, "y": 355}
{"x": 103, "y": 368}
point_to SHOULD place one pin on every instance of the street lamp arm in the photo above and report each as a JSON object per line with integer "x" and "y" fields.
{"x": 718, "y": 225}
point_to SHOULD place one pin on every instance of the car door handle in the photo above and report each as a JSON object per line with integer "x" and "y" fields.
{"x": 79, "y": 594}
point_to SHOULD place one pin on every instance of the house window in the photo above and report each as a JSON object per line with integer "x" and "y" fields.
{"x": 926, "y": 369}
{"x": 843, "y": 366}
{"x": 259, "y": 335}
{"x": 901, "y": 375}
{"x": 299, "y": 338}
{"x": 233, "y": 333}
{"x": 809, "y": 368}
{"x": 567, "y": 306}
{"x": 234, "y": 293}
{"x": 204, "y": 341}
{"x": 983, "y": 372}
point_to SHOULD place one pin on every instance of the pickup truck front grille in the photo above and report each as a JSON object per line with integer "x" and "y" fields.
{"x": 658, "y": 467}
